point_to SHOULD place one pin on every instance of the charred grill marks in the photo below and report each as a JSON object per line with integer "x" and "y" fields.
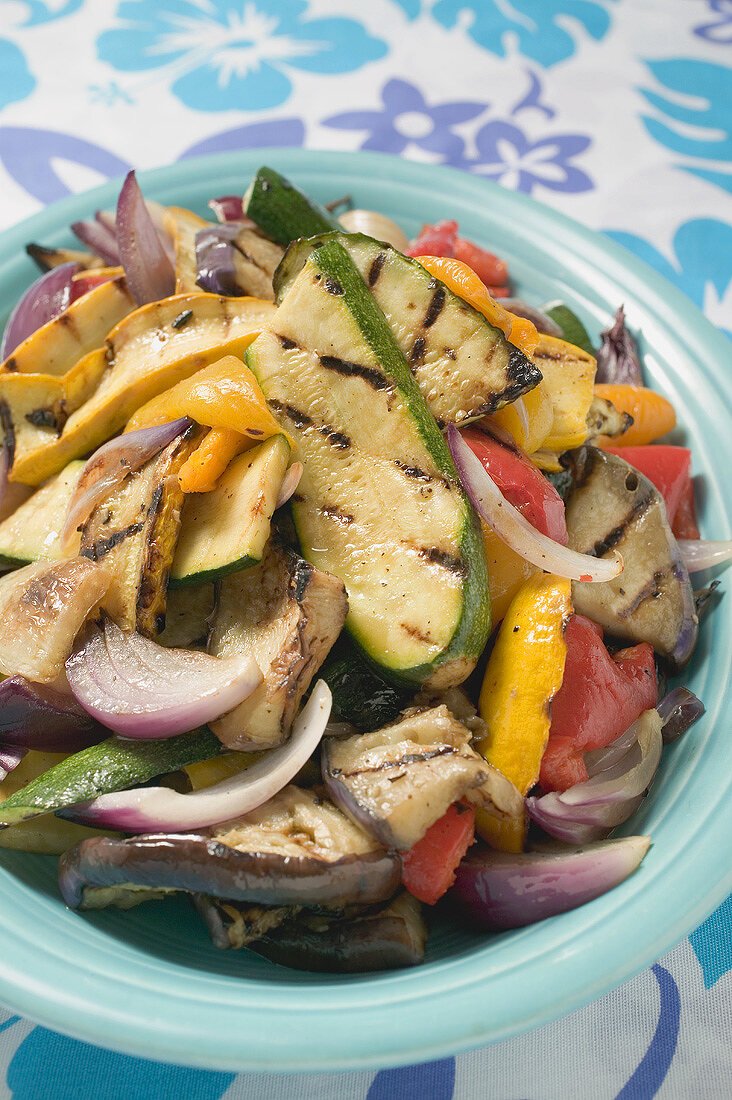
{"x": 54, "y": 417}
{"x": 400, "y": 762}
{"x": 413, "y": 471}
{"x": 520, "y": 368}
{"x": 356, "y": 370}
{"x": 376, "y": 267}
{"x": 650, "y": 591}
{"x": 343, "y": 518}
{"x": 182, "y": 319}
{"x": 612, "y": 538}
{"x": 333, "y": 286}
{"x": 97, "y": 550}
{"x": 300, "y": 419}
{"x": 8, "y": 427}
{"x": 435, "y": 307}
{"x": 447, "y": 561}
{"x": 417, "y": 350}
{"x": 415, "y": 632}
{"x": 286, "y": 342}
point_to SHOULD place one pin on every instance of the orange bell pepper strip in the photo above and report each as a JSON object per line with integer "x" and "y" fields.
{"x": 201, "y": 471}
{"x": 462, "y": 280}
{"x": 652, "y": 414}
{"x": 524, "y": 673}
{"x": 507, "y": 572}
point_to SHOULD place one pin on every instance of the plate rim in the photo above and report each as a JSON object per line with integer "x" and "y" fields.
{"x": 104, "y": 1026}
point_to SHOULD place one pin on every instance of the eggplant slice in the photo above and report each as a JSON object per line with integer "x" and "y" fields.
{"x": 604, "y": 419}
{"x": 386, "y": 939}
{"x": 236, "y": 925}
{"x": 134, "y": 530}
{"x": 611, "y": 506}
{"x": 297, "y": 849}
{"x": 286, "y": 614}
{"x": 399, "y": 780}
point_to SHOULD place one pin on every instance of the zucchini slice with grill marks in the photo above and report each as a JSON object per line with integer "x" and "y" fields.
{"x": 464, "y": 366}
{"x": 226, "y": 530}
{"x": 379, "y": 504}
{"x": 33, "y": 529}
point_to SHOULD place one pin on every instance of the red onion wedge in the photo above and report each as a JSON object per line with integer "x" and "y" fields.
{"x": 215, "y": 259}
{"x": 150, "y": 274}
{"x": 679, "y": 710}
{"x": 110, "y": 465}
{"x": 617, "y": 357}
{"x": 229, "y": 208}
{"x": 620, "y": 774}
{"x": 99, "y": 235}
{"x": 495, "y": 890}
{"x": 540, "y": 320}
{"x": 142, "y": 690}
{"x": 38, "y": 716}
{"x": 701, "y": 554}
{"x": 10, "y": 758}
{"x": 44, "y": 300}
{"x": 515, "y": 530}
{"x": 290, "y": 482}
{"x": 160, "y": 809}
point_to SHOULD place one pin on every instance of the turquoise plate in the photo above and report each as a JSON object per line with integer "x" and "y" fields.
{"x": 147, "y": 982}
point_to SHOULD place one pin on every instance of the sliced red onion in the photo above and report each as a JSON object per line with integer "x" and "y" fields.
{"x": 142, "y": 690}
{"x": 539, "y": 319}
{"x": 496, "y": 890}
{"x": 215, "y": 259}
{"x": 160, "y": 809}
{"x": 38, "y": 716}
{"x": 110, "y": 465}
{"x": 44, "y": 300}
{"x": 150, "y": 274}
{"x": 620, "y": 774}
{"x": 701, "y": 554}
{"x": 515, "y": 529}
{"x": 10, "y": 758}
{"x": 229, "y": 208}
{"x": 679, "y": 710}
{"x": 100, "y": 236}
{"x": 290, "y": 482}
{"x": 617, "y": 358}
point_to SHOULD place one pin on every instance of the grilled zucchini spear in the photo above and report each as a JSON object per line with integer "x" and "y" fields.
{"x": 379, "y": 504}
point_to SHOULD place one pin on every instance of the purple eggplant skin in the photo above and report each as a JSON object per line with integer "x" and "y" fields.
{"x": 198, "y": 864}
{"x": 389, "y": 939}
{"x": 37, "y": 716}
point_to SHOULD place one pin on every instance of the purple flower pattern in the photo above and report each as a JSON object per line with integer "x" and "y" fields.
{"x": 406, "y": 118}
{"x": 507, "y": 156}
{"x": 719, "y": 31}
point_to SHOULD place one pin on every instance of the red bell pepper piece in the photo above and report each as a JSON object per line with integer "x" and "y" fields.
{"x": 665, "y": 466}
{"x": 599, "y": 698}
{"x": 684, "y": 524}
{"x": 521, "y": 483}
{"x": 428, "y": 868}
{"x": 441, "y": 239}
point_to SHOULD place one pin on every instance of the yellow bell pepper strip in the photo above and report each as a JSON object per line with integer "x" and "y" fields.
{"x": 507, "y": 571}
{"x": 204, "y": 773}
{"x": 540, "y": 416}
{"x": 524, "y": 673}
{"x": 652, "y": 414}
{"x": 201, "y": 471}
{"x": 462, "y": 280}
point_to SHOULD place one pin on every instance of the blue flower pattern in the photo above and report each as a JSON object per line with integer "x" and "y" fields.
{"x": 250, "y": 55}
{"x": 234, "y": 54}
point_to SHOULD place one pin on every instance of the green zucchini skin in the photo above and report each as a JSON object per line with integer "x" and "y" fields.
{"x": 360, "y": 695}
{"x": 331, "y": 268}
{"x": 282, "y": 211}
{"x": 112, "y": 765}
{"x": 573, "y": 331}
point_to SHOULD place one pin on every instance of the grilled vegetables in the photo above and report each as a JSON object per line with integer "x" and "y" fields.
{"x": 397, "y": 781}
{"x": 297, "y": 849}
{"x": 282, "y": 210}
{"x": 383, "y": 939}
{"x": 58, "y": 345}
{"x": 611, "y": 506}
{"x": 112, "y": 765}
{"x": 464, "y": 366}
{"x": 226, "y": 530}
{"x": 378, "y": 504}
{"x": 42, "y": 608}
{"x": 134, "y": 532}
{"x": 286, "y": 615}
{"x": 33, "y": 529}
{"x": 152, "y": 349}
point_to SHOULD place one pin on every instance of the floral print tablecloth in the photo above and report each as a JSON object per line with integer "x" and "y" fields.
{"x": 617, "y": 112}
